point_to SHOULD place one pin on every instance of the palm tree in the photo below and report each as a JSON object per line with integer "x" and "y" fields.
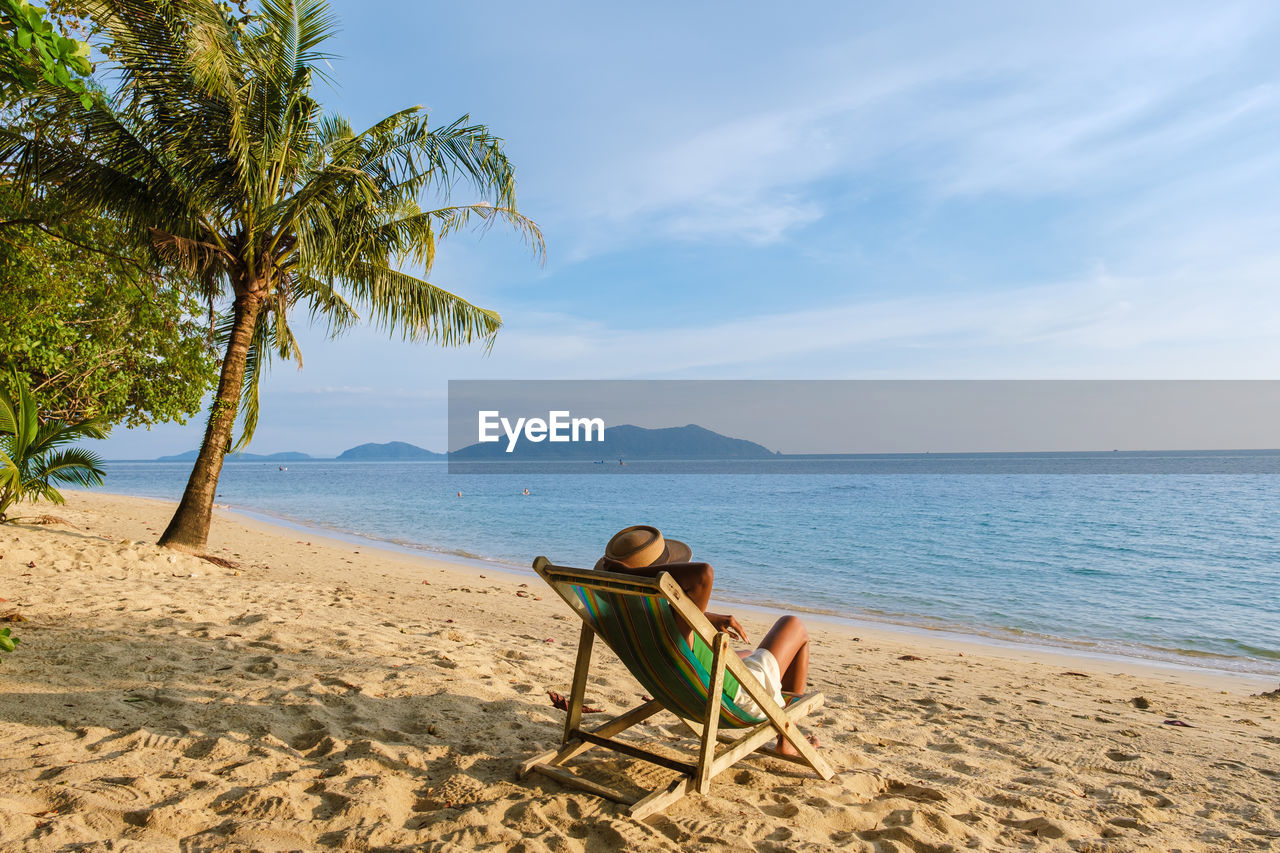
{"x": 213, "y": 146}
{"x": 34, "y": 456}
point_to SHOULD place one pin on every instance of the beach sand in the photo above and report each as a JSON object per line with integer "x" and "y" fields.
{"x": 324, "y": 694}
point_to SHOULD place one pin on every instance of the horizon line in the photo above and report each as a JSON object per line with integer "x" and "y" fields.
{"x": 774, "y": 454}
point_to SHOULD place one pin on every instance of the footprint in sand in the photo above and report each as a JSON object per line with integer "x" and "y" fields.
{"x": 782, "y": 810}
{"x": 261, "y": 665}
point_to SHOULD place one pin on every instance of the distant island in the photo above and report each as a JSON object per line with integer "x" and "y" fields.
{"x": 626, "y": 442}
{"x": 288, "y": 456}
{"x": 392, "y": 450}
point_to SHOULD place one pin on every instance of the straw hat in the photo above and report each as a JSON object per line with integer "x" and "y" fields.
{"x": 642, "y": 545}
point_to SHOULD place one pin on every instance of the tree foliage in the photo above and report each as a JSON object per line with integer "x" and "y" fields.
{"x": 215, "y": 148}
{"x": 34, "y": 452}
{"x": 31, "y": 51}
{"x": 92, "y": 331}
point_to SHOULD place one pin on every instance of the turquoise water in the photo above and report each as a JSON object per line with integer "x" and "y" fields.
{"x": 1179, "y": 567}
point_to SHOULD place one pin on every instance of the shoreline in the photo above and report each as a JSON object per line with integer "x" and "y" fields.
{"x": 973, "y": 639}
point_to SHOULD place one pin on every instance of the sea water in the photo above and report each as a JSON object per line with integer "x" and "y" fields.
{"x": 1156, "y": 563}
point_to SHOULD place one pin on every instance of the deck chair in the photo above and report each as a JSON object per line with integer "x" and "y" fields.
{"x": 636, "y": 618}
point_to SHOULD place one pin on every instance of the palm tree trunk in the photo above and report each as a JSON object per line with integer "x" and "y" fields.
{"x": 189, "y": 528}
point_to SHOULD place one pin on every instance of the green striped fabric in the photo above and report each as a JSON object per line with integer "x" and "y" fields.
{"x": 641, "y": 630}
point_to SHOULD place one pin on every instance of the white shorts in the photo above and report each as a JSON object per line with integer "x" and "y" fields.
{"x": 764, "y": 666}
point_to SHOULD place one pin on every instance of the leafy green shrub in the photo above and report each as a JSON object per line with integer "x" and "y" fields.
{"x": 34, "y": 456}
{"x": 31, "y": 51}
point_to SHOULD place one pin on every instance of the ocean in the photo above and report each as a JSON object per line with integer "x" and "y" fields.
{"x": 1156, "y": 563}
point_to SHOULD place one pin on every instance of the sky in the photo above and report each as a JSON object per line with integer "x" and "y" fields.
{"x": 833, "y": 191}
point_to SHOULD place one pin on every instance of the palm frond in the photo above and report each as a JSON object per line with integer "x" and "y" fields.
{"x": 470, "y": 149}
{"x": 299, "y": 27}
{"x": 418, "y": 232}
{"x": 325, "y": 303}
{"x": 193, "y": 256}
{"x": 8, "y": 417}
{"x": 249, "y": 399}
{"x": 30, "y": 460}
{"x": 53, "y": 434}
{"x": 74, "y": 466}
{"x": 271, "y": 335}
{"x": 418, "y": 310}
{"x": 10, "y": 474}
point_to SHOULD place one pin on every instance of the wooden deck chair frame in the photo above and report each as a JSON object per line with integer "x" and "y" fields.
{"x": 710, "y": 761}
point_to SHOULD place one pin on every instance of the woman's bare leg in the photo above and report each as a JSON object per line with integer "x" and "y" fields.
{"x": 788, "y": 641}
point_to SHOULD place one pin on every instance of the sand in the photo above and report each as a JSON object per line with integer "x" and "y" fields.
{"x": 324, "y": 694}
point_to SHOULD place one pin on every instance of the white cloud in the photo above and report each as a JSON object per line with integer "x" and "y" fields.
{"x": 1059, "y": 102}
{"x": 1100, "y": 326}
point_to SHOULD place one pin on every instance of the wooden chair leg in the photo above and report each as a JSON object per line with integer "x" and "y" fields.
{"x": 707, "y": 751}
{"x": 579, "y": 690}
{"x": 661, "y": 798}
{"x": 577, "y": 746}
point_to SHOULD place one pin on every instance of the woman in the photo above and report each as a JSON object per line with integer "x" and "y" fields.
{"x": 780, "y": 662}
